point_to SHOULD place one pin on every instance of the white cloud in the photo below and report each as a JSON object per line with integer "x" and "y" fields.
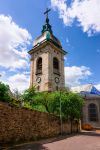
{"x": 62, "y": 8}
{"x": 86, "y": 12}
{"x": 67, "y": 40}
{"x": 65, "y": 58}
{"x": 19, "y": 81}
{"x": 97, "y": 86}
{"x": 2, "y": 74}
{"x": 74, "y": 75}
{"x": 13, "y": 44}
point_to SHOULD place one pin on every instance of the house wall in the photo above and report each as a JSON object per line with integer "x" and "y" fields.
{"x": 89, "y": 100}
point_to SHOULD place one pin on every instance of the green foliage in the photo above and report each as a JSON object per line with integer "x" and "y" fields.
{"x": 17, "y": 95}
{"x": 70, "y": 108}
{"x": 29, "y": 94}
{"x": 16, "y": 98}
{"x": 66, "y": 103}
{"x": 27, "y": 105}
{"x": 42, "y": 99}
{"x": 54, "y": 102}
{"x": 71, "y": 103}
{"x": 5, "y": 94}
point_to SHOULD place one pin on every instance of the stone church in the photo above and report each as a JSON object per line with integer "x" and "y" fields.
{"x": 47, "y": 71}
{"x": 91, "y": 108}
{"x": 47, "y": 60}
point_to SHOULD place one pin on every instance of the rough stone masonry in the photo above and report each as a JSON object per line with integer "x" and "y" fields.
{"x": 18, "y": 125}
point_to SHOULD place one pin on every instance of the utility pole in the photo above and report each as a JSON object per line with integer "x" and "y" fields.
{"x": 60, "y": 113}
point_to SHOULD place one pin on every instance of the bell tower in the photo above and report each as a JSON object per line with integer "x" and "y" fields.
{"x": 47, "y": 60}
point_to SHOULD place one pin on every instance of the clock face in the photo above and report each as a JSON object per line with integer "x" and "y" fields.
{"x": 56, "y": 79}
{"x": 38, "y": 79}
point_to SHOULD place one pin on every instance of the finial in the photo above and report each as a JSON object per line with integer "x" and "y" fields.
{"x": 47, "y": 26}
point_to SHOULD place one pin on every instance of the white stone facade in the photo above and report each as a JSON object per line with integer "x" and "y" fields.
{"x": 48, "y": 81}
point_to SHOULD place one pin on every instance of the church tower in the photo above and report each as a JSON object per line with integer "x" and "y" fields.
{"x": 47, "y": 61}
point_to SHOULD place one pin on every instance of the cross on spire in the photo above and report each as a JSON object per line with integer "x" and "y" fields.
{"x": 47, "y": 26}
{"x": 46, "y": 12}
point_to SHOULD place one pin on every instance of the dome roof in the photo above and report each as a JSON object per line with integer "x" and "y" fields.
{"x": 47, "y": 36}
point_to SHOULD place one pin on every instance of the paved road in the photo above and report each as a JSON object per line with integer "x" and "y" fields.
{"x": 77, "y": 142}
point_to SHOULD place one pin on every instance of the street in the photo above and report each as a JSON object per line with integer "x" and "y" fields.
{"x": 85, "y": 141}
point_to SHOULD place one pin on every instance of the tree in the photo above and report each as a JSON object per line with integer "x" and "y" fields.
{"x": 17, "y": 94}
{"x": 54, "y": 102}
{"x": 17, "y": 98}
{"x": 29, "y": 94}
{"x": 49, "y": 101}
{"x": 5, "y": 94}
{"x": 72, "y": 107}
{"x": 64, "y": 103}
{"x": 42, "y": 99}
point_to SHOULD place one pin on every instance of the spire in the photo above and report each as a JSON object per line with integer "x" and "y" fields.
{"x": 47, "y": 26}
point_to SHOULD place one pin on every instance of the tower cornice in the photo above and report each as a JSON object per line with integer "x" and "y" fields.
{"x": 45, "y": 43}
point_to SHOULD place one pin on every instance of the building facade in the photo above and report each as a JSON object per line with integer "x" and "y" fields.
{"x": 91, "y": 111}
{"x": 91, "y": 108}
{"x": 47, "y": 61}
{"x": 47, "y": 73}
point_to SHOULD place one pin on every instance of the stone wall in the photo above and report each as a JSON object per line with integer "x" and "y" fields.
{"x": 47, "y": 52}
{"x": 18, "y": 125}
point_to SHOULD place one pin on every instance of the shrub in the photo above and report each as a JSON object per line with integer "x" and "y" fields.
{"x": 4, "y": 93}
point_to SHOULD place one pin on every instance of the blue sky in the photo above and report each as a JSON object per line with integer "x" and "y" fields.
{"x": 75, "y": 23}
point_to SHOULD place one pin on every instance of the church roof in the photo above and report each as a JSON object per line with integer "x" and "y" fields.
{"x": 87, "y": 89}
{"x": 47, "y": 34}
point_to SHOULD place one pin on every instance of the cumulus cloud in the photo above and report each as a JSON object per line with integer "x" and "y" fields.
{"x": 97, "y": 86}
{"x": 74, "y": 75}
{"x": 13, "y": 44}
{"x": 2, "y": 74}
{"x": 19, "y": 81}
{"x": 86, "y": 12}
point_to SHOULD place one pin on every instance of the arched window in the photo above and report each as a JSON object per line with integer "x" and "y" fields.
{"x": 92, "y": 112}
{"x": 55, "y": 65}
{"x": 39, "y": 66}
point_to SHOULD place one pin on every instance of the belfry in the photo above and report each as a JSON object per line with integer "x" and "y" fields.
{"x": 47, "y": 60}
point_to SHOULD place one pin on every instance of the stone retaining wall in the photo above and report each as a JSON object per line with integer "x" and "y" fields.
{"x": 18, "y": 125}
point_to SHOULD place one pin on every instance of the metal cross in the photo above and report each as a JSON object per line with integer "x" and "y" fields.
{"x": 47, "y": 11}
